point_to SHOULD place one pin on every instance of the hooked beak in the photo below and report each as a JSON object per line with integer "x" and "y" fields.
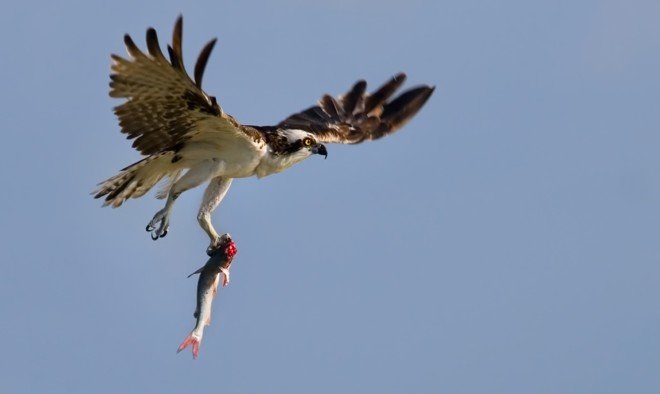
{"x": 319, "y": 149}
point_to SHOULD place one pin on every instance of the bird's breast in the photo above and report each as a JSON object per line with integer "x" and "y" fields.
{"x": 272, "y": 164}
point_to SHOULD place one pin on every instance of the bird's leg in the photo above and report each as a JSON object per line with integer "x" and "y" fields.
{"x": 162, "y": 217}
{"x": 213, "y": 195}
{"x": 193, "y": 178}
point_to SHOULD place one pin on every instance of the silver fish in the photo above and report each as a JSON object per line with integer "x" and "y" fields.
{"x": 207, "y": 287}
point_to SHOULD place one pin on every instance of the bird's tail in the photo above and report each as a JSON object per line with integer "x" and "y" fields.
{"x": 190, "y": 340}
{"x": 135, "y": 180}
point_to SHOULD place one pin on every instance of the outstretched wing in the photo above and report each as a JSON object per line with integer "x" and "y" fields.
{"x": 164, "y": 107}
{"x": 358, "y": 116}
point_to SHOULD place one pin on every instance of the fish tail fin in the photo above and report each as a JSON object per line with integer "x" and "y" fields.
{"x": 190, "y": 340}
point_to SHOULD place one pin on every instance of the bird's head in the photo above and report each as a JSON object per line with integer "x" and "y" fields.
{"x": 301, "y": 144}
{"x": 287, "y": 147}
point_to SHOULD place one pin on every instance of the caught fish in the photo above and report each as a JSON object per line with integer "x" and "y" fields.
{"x": 207, "y": 287}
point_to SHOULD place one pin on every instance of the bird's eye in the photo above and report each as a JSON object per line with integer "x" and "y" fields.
{"x": 307, "y": 141}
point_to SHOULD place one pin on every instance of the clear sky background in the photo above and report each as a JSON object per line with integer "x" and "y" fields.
{"x": 506, "y": 241}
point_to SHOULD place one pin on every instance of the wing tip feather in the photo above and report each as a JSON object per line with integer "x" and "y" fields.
{"x": 132, "y": 49}
{"x": 358, "y": 116}
{"x": 154, "y": 46}
{"x": 202, "y": 60}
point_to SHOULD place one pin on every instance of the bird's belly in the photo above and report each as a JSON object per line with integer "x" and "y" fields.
{"x": 238, "y": 169}
{"x": 232, "y": 163}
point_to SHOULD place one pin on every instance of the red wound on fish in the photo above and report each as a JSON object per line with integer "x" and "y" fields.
{"x": 231, "y": 249}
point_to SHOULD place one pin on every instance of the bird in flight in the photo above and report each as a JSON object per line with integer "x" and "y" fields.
{"x": 188, "y": 139}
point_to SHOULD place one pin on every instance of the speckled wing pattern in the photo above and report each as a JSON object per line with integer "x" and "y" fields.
{"x": 358, "y": 116}
{"x": 165, "y": 107}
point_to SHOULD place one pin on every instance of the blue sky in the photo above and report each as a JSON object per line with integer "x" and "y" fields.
{"x": 506, "y": 241}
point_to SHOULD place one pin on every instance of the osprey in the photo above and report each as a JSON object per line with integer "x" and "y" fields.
{"x": 179, "y": 127}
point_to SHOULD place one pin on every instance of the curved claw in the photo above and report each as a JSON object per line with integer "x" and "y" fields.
{"x": 162, "y": 218}
{"x": 160, "y": 233}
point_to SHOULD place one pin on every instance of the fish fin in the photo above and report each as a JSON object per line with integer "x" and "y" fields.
{"x": 215, "y": 285}
{"x": 190, "y": 340}
{"x": 196, "y": 272}
{"x": 208, "y": 321}
{"x": 225, "y": 272}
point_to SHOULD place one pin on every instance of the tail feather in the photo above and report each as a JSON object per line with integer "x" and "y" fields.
{"x": 136, "y": 180}
{"x": 190, "y": 340}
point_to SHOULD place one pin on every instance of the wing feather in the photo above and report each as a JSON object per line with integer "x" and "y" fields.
{"x": 377, "y": 98}
{"x": 175, "y": 51}
{"x": 164, "y": 107}
{"x": 154, "y": 46}
{"x": 354, "y": 99}
{"x": 357, "y": 116}
{"x": 201, "y": 62}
